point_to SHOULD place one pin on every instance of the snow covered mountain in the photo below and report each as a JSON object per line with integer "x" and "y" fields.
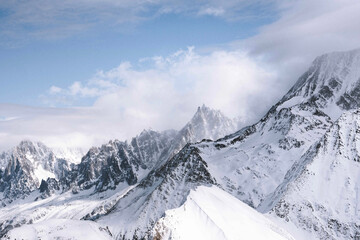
{"x": 250, "y": 164}
{"x": 134, "y": 215}
{"x": 116, "y": 167}
{"x": 295, "y": 162}
{"x": 298, "y": 165}
{"x": 117, "y": 162}
{"x": 205, "y": 124}
{"x": 23, "y": 168}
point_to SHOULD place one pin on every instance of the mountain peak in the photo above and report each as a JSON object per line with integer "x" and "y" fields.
{"x": 203, "y": 108}
{"x": 334, "y": 57}
{"x": 205, "y": 112}
{"x": 209, "y": 122}
{"x": 31, "y": 147}
{"x": 332, "y": 84}
{"x": 145, "y": 132}
{"x": 26, "y": 143}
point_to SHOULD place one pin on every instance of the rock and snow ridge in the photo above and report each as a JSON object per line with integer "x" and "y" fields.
{"x": 105, "y": 167}
{"x": 129, "y": 162}
{"x": 330, "y": 208}
{"x": 253, "y": 162}
{"x": 332, "y": 83}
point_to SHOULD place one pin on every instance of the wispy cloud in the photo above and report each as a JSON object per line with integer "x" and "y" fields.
{"x": 45, "y": 19}
{"x": 212, "y": 11}
{"x": 304, "y": 30}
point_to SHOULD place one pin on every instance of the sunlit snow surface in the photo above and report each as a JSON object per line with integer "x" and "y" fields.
{"x": 73, "y": 207}
{"x": 208, "y": 213}
{"x": 211, "y": 213}
{"x": 60, "y": 229}
{"x": 321, "y": 194}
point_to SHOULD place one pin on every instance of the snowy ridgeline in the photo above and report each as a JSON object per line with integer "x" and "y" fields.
{"x": 298, "y": 168}
{"x": 198, "y": 218}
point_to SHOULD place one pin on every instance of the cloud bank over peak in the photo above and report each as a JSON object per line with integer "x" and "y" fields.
{"x": 162, "y": 92}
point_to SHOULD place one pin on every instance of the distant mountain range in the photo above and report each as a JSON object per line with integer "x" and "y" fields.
{"x": 297, "y": 170}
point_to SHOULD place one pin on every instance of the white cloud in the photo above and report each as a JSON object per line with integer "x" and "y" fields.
{"x": 225, "y": 80}
{"x": 306, "y": 29}
{"x": 212, "y": 11}
{"x": 163, "y": 93}
{"x": 54, "y": 90}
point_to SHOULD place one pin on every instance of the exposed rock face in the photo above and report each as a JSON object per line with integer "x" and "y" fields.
{"x": 164, "y": 188}
{"x": 25, "y": 166}
{"x": 128, "y": 162}
{"x": 116, "y": 162}
{"x": 48, "y": 187}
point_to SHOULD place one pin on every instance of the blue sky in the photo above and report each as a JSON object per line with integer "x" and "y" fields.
{"x": 30, "y": 66}
{"x": 80, "y": 72}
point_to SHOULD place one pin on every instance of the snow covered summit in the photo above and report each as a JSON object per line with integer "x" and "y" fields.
{"x": 332, "y": 83}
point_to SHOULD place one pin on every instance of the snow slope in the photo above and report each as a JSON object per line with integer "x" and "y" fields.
{"x": 72, "y": 155}
{"x": 60, "y": 229}
{"x": 251, "y": 163}
{"x": 210, "y": 213}
{"x": 321, "y": 193}
{"x": 66, "y": 205}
